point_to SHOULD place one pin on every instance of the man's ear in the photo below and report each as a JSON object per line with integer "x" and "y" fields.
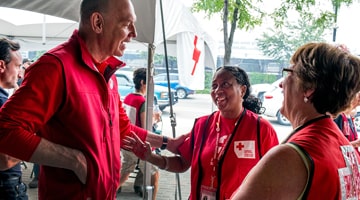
{"x": 2, "y": 66}
{"x": 97, "y": 22}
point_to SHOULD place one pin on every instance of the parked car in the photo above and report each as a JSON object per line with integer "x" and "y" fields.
{"x": 258, "y": 90}
{"x": 181, "y": 90}
{"x": 272, "y": 103}
{"x": 126, "y": 86}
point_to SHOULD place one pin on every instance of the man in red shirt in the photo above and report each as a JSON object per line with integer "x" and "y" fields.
{"x": 69, "y": 98}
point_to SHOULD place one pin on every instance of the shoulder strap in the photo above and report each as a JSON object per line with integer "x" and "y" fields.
{"x": 258, "y": 136}
{"x": 309, "y": 164}
{"x": 339, "y": 121}
{"x": 198, "y": 183}
{"x": 192, "y": 131}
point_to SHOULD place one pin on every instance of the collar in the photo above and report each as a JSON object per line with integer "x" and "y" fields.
{"x": 3, "y": 92}
{"x": 111, "y": 61}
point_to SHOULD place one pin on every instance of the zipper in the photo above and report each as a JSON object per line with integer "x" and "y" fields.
{"x": 106, "y": 77}
{"x": 111, "y": 148}
{"x": 110, "y": 120}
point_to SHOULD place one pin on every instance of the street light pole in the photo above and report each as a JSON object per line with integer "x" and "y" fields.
{"x": 336, "y": 7}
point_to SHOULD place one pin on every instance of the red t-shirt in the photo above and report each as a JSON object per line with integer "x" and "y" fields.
{"x": 239, "y": 157}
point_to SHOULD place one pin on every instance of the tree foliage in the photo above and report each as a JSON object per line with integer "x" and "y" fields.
{"x": 240, "y": 14}
{"x": 246, "y": 14}
{"x": 281, "y": 42}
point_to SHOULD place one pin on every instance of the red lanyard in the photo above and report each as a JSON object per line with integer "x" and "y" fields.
{"x": 214, "y": 162}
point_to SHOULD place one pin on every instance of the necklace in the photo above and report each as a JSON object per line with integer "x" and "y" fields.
{"x": 218, "y": 122}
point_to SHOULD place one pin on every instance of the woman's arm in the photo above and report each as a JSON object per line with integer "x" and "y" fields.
{"x": 280, "y": 174}
{"x": 143, "y": 151}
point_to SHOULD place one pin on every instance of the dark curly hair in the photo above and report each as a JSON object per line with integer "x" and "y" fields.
{"x": 138, "y": 76}
{"x": 251, "y": 102}
{"x": 332, "y": 73}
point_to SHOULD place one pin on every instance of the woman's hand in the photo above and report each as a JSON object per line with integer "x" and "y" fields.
{"x": 356, "y": 143}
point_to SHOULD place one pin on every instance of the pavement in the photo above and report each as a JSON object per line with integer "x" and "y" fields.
{"x": 167, "y": 185}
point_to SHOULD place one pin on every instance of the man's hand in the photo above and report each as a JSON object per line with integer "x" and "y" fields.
{"x": 55, "y": 155}
{"x": 81, "y": 167}
{"x": 7, "y": 162}
{"x": 137, "y": 146}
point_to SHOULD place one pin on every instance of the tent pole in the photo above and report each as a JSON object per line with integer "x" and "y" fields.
{"x": 172, "y": 116}
{"x": 149, "y": 105}
{"x": 44, "y": 30}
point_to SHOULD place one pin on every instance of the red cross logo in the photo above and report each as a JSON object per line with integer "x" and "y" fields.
{"x": 244, "y": 149}
{"x": 196, "y": 54}
{"x": 240, "y": 146}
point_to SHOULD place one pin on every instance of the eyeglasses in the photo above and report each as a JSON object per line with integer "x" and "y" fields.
{"x": 224, "y": 85}
{"x": 286, "y": 71}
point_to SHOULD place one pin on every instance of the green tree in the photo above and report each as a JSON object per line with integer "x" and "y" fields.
{"x": 240, "y": 14}
{"x": 281, "y": 42}
{"x": 246, "y": 14}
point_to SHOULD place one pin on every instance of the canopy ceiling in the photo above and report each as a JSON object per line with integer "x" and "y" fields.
{"x": 148, "y": 16}
{"x": 181, "y": 27}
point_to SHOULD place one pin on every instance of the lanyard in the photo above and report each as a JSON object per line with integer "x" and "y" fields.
{"x": 218, "y": 157}
{"x": 200, "y": 170}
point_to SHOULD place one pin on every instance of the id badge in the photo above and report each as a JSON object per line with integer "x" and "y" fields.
{"x": 207, "y": 193}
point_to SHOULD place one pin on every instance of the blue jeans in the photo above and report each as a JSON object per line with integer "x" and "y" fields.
{"x": 13, "y": 189}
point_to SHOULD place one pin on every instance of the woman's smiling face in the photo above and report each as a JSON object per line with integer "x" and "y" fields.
{"x": 226, "y": 92}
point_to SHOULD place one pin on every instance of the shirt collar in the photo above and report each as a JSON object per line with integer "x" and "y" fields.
{"x": 111, "y": 61}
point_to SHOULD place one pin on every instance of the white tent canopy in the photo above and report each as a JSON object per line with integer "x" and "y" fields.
{"x": 181, "y": 27}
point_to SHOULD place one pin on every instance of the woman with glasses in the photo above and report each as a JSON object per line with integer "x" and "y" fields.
{"x": 316, "y": 161}
{"x": 223, "y": 146}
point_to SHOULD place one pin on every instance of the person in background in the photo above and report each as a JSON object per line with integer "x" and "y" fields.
{"x": 25, "y": 64}
{"x": 223, "y": 146}
{"x": 35, "y": 172}
{"x": 134, "y": 104}
{"x": 345, "y": 121}
{"x": 11, "y": 185}
{"x": 316, "y": 161}
{"x": 69, "y": 98}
